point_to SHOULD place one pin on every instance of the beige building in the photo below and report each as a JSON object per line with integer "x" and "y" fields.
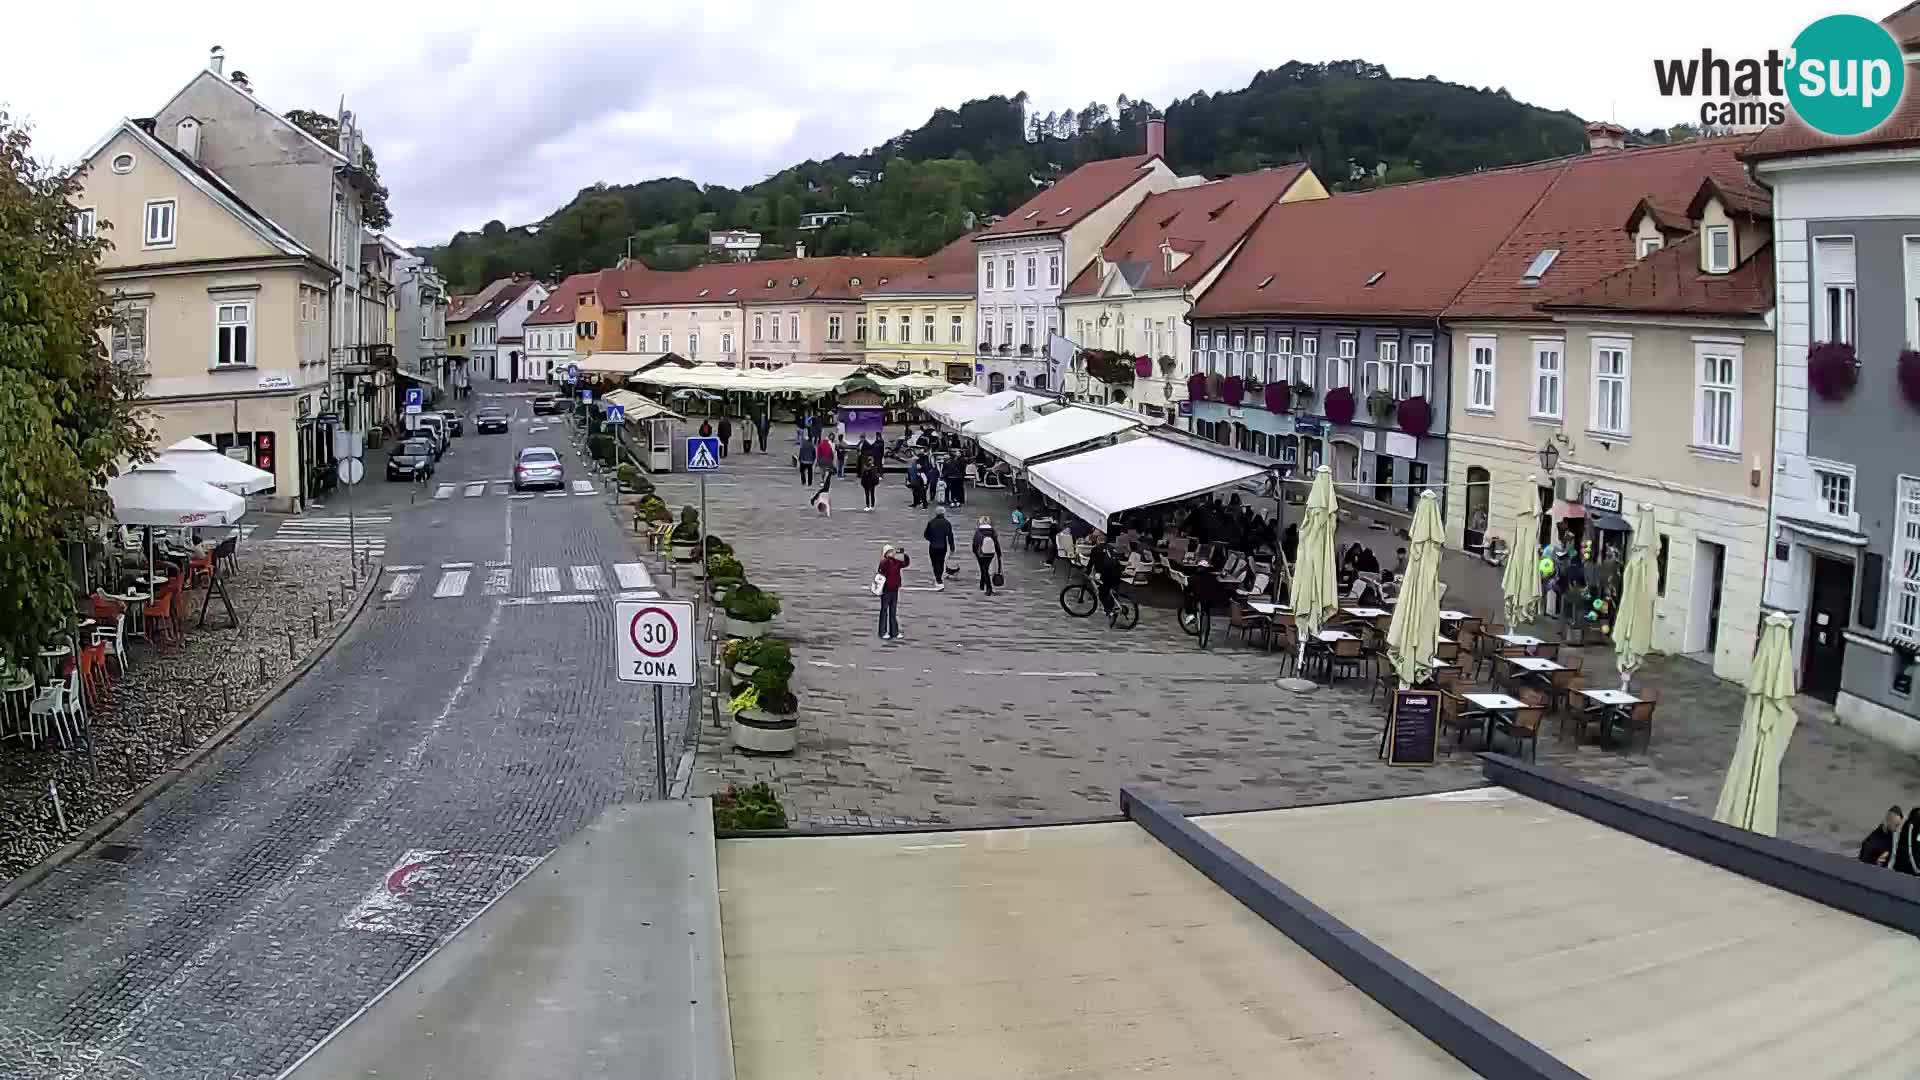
{"x": 1651, "y": 385}
{"x": 922, "y": 320}
{"x": 758, "y": 314}
{"x": 224, "y": 311}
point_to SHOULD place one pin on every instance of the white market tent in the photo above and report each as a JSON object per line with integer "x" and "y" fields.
{"x": 159, "y": 497}
{"x": 993, "y": 412}
{"x": 1142, "y": 472}
{"x": 196, "y": 459}
{"x": 1047, "y": 435}
{"x": 792, "y": 378}
{"x": 940, "y": 404}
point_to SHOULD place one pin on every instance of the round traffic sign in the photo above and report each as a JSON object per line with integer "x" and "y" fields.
{"x": 352, "y": 470}
{"x": 653, "y": 632}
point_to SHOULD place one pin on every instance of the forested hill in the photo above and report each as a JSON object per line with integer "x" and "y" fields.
{"x": 1355, "y": 123}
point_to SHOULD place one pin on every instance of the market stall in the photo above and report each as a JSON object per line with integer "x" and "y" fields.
{"x": 649, "y": 428}
{"x": 1141, "y": 472}
{"x": 1059, "y": 433}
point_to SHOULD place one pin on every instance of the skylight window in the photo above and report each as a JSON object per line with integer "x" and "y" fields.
{"x": 703, "y": 292}
{"x": 1030, "y": 215}
{"x": 731, "y": 292}
{"x": 1264, "y": 282}
{"x": 769, "y": 283}
{"x": 856, "y": 281}
{"x": 1063, "y": 211}
{"x": 1538, "y": 267}
{"x": 795, "y": 283}
{"x": 1375, "y": 279}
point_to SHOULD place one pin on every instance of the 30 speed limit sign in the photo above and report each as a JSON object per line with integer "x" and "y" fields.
{"x": 653, "y": 641}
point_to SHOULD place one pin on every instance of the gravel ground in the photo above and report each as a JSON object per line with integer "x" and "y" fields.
{"x": 173, "y": 698}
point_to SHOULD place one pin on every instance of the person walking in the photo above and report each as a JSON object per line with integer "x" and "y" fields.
{"x": 1905, "y": 857}
{"x": 764, "y": 425}
{"x": 917, "y": 483}
{"x": 808, "y": 453}
{"x": 892, "y": 561}
{"x": 823, "y": 450}
{"x": 726, "y": 435}
{"x": 1877, "y": 848}
{"x": 986, "y": 551}
{"x": 822, "y": 504}
{"x": 954, "y": 474}
{"x": 939, "y": 534}
{"x": 869, "y": 480}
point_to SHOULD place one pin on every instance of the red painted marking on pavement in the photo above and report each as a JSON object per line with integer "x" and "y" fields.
{"x": 397, "y": 880}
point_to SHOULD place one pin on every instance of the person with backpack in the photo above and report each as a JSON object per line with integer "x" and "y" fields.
{"x": 808, "y": 453}
{"x": 869, "y": 479}
{"x": 892, "y": 561}
{"x": 986, "y": 550}
{"x": 939, "y": 534}
{"x": 726, "y": 435}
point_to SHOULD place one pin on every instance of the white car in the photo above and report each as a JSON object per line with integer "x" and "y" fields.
{"x": 538, "y": 466}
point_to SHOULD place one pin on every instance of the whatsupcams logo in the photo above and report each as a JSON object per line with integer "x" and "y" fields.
{"x": 1843, "y": 76}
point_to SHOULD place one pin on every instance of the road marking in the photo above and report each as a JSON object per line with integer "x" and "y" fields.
{"x": 583, "y": 487}
{"x": 452, "y": 583}
{"x": 536, "y": 429}
{"x": 546, "y": 579}
{"x": 638, "y": 594}
{"x": 443, "y": 491}
{"x": 587, "y": 578}
{"x": 553, "y": 494}
{"x": 632, "y": 575}
{"x": 498, "y": 582}
{"x": 521, "y": 601}
{"x": 456, "y": 566}
{"x": 572, "y": 598}
{"x": 479, "y": 488}
{"x": 399, "y": 569}
{"x": 499, "y": 563}
{"x": 523, "y": 495}
{"x": 402, "y": 587}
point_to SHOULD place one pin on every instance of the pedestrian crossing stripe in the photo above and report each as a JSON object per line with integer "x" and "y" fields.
{"x": 477, "y": 488}
{"x": 402, "y": 586}
{"x": 452, "y": 583}
{"x": 585, "y": 583}
{"x": 546, "y": 579}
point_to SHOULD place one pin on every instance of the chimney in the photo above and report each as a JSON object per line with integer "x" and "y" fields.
{"x": 240, "y": 80}
{"x": 1156, "y": 137}
{"x": 1602, "y": 136}
{"x": 186, "y": 137}
{"x": 799, "y": 251}
{"x": 217, "y": 60}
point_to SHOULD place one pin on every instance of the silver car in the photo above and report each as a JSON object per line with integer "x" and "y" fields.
{"x": 538, "y": 466}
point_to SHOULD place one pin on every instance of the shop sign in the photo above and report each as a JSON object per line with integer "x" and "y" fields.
{"x": 1310, "y": 425}
{"x": 1603, "y": 499}
{"x": 276, "y": 382}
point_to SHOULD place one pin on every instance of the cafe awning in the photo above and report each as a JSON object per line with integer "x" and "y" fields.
{"x": 1142, "y": 472}
{"x": 1049, "y": 435}
{"x": 942, "y": 404}
{"x": 993, "y": 412}
{"x": 196, "y": 459}
{"x": 160, "y": 497}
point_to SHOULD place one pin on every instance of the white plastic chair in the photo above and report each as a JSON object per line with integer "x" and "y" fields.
{"x": 59, "y": 702}
{"x": 116, "y": 638}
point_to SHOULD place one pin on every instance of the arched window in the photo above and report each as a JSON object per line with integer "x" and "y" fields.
{"x": 1478, "y": 501}
{"x": 1040, "y": 381}
{"x": 996, "y": 382}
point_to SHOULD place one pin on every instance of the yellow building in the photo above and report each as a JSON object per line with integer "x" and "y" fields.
{"x": 923, "y": 320}
{"x": 224, "y": 311}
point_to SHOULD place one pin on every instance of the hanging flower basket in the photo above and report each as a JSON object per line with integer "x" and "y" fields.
{"x": 1380, "y": 404}
{"x": 1907, "y": 370}
{"x": 1832, "y": 369}
{"x": 1340, "y": 405}
{"x": 1167, "y": 364}
{"x": 1142, "y": 368}
{"x": 1197, "y": 387}
{"x": 1415, "y": 416}
{"x": 1276, "y": 397}
{"x": 1232, "y": 390}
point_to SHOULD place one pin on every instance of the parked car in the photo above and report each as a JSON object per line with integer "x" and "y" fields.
{"x": 455, "y": 424}
{"x": 554, "y": 404}
{"x": 412, "y": 459}
{"x": 491, "y": 418}
{"x": 538, "y": 466}
{"x": 434, "y": 427}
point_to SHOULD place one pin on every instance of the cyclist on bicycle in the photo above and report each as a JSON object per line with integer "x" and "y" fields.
{"x": 1106, "y": 568}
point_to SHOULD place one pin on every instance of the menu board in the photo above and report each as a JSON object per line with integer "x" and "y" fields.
{"x": 1414, "y": 730}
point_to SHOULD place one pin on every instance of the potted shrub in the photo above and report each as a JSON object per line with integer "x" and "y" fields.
{"x": 1380, "y": 404}
{"x": 1276, "y": 395}
{"x": 1167, "y": 364}
{"x": 686, "y": 535}
{"x": 724, "y": 572}
{"x": 749, "y": 610}
{"x": 1340, "y": 405}
{"x": 749, "y": 809}
{"x": 633, "y": 481}
{"x": 1301, "y": 391}
{"x": 766, "y": 713}
{"x": 1197, "y": 387}
{"x": 1415, "y": 416}
{"x": 654, "y": 508}
{"x": 1832, "y": 369}
{"x": 1142, "y": 368}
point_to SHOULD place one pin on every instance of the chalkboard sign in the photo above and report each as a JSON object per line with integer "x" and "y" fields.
{"x": 1414, "y": 729}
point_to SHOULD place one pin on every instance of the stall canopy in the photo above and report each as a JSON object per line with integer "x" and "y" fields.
{"x": 613, "y": 363}
{"x": 158, "y": 496}
{"x": 639, "y": 407}
{"x": 1048, "y": 435}
{"x": 1142, "y": 472}
{"x": 993, "y": 411}
{"x": 196, "y": 459}
{"x": 940, "y": 404}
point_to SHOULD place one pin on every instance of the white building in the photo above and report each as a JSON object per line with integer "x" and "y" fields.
{"x": 739, "y": 244}
{"x": 492, "y": 324}
{"x": 552, "y": 330}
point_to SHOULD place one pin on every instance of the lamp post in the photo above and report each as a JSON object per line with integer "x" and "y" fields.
{"x": 1549, "y": 456}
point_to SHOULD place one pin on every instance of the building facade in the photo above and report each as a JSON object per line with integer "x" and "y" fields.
{"x": 1845, "y": 543}
{"x": 553, "y": 330}
{"x": 923, "y": 320}
{"x": 757, "y": 314}
{"x": 420, "y": 323}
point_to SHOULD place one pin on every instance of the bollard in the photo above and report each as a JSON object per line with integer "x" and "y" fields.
{"x": 313, "y": 623}
{"x": 262, "y": 655}
{"x": 329, "y": 608}
{"x": 290, "y": 653}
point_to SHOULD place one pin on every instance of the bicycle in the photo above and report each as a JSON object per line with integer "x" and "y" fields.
{"x": 1081, "y": 597}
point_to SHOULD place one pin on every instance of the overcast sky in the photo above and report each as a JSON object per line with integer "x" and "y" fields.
{"x": 484, "y": 110}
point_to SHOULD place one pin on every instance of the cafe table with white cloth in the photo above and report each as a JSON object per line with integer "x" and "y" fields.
{"x": 1538, "y": 667}
{"x": 1523, "y": 640}
{"x": 1365, "y": 612}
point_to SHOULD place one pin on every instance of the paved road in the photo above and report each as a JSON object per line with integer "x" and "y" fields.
{"x": 464, "y": 728}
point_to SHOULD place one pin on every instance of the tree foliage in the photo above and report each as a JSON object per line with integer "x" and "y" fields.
{"x": 66, "y": 410}
{"x": 327, "y": 130}
{"x": 1352, "y": 120}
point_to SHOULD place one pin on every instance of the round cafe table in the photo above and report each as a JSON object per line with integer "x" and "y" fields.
{"x": 16, "y": 687}
{"x": 136, "y": 624}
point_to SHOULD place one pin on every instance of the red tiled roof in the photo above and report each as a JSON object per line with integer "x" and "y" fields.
{"x": 1204, "y": 221}
{"x": 1580, "y": 216}
{"x": 1070, "y": 200}
{"x": 490, "y": 307}
{"x": 1902, "y": 128}
{"x": 947, "y": 272}
{"x": 1670, "y": 282}
{"x": 1424, "y": 239}
{"x": 557, "y": 309}
{"x": 839, "y": 277}
{"x": 1904, "y": 25}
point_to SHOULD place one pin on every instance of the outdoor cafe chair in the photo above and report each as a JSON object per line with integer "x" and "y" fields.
{"x": 59, "y": 705}
{"x": 1523, "y": 725}
{"x": 1639, "y": 717}
{"x": 1457, "y": 718}
{"x": 1566, "y": 681}
{"x": 1347, "y": 655}
{"x": 1246, "y": 620}
{"x": 159, "y": 615}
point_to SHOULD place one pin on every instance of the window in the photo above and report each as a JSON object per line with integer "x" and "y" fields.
{"x": 989, "y": 266}
{"x": 1903, "y": 623}
{"x": 1278, "y": 362}
{"x": 793, "y": 328}
{"x": 773, "y": 328}
{"x": 726, "y": 343}
{"x": 1006, "y": 338}
{"x": 906, "y": 326}
{"x": 693, "y": 343}
{"x": 759, "y": 328}
{"x": 160, "y": 223}
{"x": 956, "y": 330}
{"x": 122, "y": 163}
{"x": 986, "y": 332}
{"x": 860, "y": 328}
{"x": 1480, "y": 373}
{"x": 1053, "y": 325}
{"x": 1053, "y": 270}
{"x": 666, "y": 343}
{"x": 1717, "y": 411}
{"x": 130, "y": 339}
{"x": 1349, "y": 351}
{"x": 83, "y": 223}
{"x": 1836, "y": 492}
{"x": 1547, "y": 365}
{"x": 1380, "y": 370}
{"x": 233, "y": 334}
{"x": 1719, "y": 249}
{"x": 1120, "y": 336}
{"x": 1006, "y": 265}
{"x": 1033, "y": 271}
{"x": 1213, "y": 352}
{"x": 1612, "y": 385}
{"x": 833, "y": 328}
{"x": 879, "y": 328}
{"x": 926, "y": 328}
{"x": 1416, "y": 377}
{"x": 1647, "y": 245}
{"x": 1306, "y": 365}
{"x": 1833, "y": 265}
{"x": 529, "y": 305}
{"x": 1026, "y": 336}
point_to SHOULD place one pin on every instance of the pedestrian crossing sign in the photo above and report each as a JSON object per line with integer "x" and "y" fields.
{"x": 703, "y": 453}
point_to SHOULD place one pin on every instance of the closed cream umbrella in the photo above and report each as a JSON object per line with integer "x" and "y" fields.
{"x": 1316, "y": 589}
{"x": 1521, "y": 582}
{"x": 1415, "y": 628}
{"x": 1750, "y": 797}
{"x": 1633, "y": 623}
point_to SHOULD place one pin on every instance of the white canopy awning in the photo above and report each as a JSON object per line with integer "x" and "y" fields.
{"x": 940, "y": 404}
{"x": 195, "y": 459}
{"x": 159, "y": 496}
{"x": 993, "y": 412}
{"x": 1142, "y": 472}
{"x": 1068, "y": 428}
{"x": 639, "y": 407}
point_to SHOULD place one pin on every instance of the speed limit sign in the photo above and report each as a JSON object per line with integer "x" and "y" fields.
{"x": 653, "y": 641}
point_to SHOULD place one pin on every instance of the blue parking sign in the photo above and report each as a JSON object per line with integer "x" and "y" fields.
{"x": 415, "y": 396}
{"x": 616, "y": 414}
{"x": 586, "y": 396}
{"x": 703, "y": 453}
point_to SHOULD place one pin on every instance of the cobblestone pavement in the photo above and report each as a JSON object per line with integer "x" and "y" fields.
{"x": 1004, "y": 709}
{"x": 438, "y": 751}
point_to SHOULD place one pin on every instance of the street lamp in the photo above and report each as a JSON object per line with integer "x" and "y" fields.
{"x": 1549, "y": 456}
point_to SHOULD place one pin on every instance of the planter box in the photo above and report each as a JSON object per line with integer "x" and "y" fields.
{"x": 685, "y": 553}
{"x": 765, "y": 733}
{"x": 743, "y": 629}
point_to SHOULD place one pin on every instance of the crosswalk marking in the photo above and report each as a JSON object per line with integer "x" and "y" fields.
{"x": 632, "y": 575}
{"x": 476, "y": 489}
{"x": 443, "y": 491}
{"x": 583, "y": 487}
{"x": 452, "y": 583}
{"x": 498, "y": 582}
{"x": 573, "y": 598}
{"x": 365, "y": 532}
{"x": 546, "y": 579}
{"x": 638, "y": 594}
{"x": 588, "y": 578}
{"x": 402, "y": 587}
{"x": 553, "y": 494}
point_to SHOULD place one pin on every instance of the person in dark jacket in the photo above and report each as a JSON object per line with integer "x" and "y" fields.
{"x": 764, "y": 425}
{"x": 808, "y": 454}
{"x": 939, "y": 541}
{"x": 955, "y": 475}
{"x": 1877, "y": 848}
{"x": 869, "y": 479}
{"x": 892, "y": 561}
{"x": 986, "y": 550}
{"x": 1906, "y": 846}
{"x": 917, "y": 481}
{"x": 726, "y": 435}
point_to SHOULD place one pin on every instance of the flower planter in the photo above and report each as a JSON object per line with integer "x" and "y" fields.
{"x": 1232, "y": 390}
{"x": 738, "y": 675}
{"x": 766, "y": 733}
{"x": 1142, "y": 368}
{"x": 1340, "y": 405}
{"x": 1832, "y": 369}
{"x": 1415, "y": 416}
{"x": 744, "y": 629}
{"x": 1197, "y": 387}
{"x": 1380, "y": 404}
{"x": 1276, "y": 394}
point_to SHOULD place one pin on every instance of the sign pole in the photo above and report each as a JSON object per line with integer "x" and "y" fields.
{"x": 659, "y": 744}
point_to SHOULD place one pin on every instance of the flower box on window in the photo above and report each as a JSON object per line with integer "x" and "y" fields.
{"x": 1142, "y": 368}
{"x": 1907, "y": 371}
{"x": 1832, "y": 369}
{"x": 1026, "y": 350}
{"x": 1167, "y": 364}
{"x": 1232, "y": 390}
{"x": 1340, "y": 405}
{"x": 1276, "y": 394}
{"x": 986, "y": 349}
{"x": 1380, "y": 404}
{"x": 1415, "y": 416}
{"x": 1197, "y": 387}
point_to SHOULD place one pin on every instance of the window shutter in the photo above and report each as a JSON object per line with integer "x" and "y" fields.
{"x": 1873, "y": 573}
{"x": 1834, "y": 260}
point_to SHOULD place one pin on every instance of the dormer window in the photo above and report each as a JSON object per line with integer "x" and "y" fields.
{"x": 795, "y": 283}
{"x": 1646, "y": 246}
{"x": 1719, "y": 242}
{"x": 856, "y": 282}
{"x": 1030, "y": 215}
{"x": 769, "y": 283}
